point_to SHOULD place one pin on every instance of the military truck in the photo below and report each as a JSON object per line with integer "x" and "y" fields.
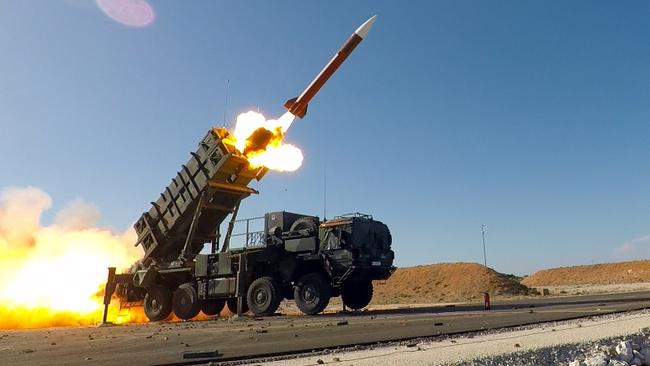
{"x": 292, "y": 256}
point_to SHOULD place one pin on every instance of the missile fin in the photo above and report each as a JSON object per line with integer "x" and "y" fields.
{"x": 290, "y": 103}
{"x": 298, "y": 110}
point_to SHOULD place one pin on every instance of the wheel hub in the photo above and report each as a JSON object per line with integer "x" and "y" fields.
{"x": 260, "y": 297}
{"x": 309, "y": 294}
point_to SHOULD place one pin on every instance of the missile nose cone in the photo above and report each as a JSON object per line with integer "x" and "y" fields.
{"x": 363, "y": 30}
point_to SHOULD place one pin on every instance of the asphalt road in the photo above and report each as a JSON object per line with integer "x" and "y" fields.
{"x": 228, "y": 338}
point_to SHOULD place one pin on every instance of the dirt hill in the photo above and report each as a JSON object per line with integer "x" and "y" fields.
{"x": 597, "y": 274}
{"x": 445, "y": 282}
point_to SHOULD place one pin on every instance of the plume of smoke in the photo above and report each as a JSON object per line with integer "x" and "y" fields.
{"x": 77, "y": 215}
{"x": 53, "y": 274}
{"x": 20, "y": 215}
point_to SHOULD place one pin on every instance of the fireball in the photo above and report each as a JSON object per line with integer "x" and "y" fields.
{"x": 261, "y": 141}
{"x": 54, "y": 275}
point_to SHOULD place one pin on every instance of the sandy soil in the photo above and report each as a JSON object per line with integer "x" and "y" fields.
{"x": 445, "y": 282}
{"x": 572, "y": 290}
{"x": 600, "y": 274}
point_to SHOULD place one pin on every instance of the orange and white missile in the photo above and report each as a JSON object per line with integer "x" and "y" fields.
{"x": 298, "y": 106}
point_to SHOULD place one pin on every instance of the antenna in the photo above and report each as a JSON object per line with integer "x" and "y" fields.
{"x": 483, "y": 235}
{"x": 225, "y": 108}
{"x": 324, "y": 192}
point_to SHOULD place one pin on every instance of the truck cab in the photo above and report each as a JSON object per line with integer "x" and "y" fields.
{"x": 355, "y": 243}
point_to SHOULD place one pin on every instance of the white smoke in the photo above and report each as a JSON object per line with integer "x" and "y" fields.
{"x": 77, "y": 215}
{"x": 20, "y": 215}
{"x": 49, "y": 269}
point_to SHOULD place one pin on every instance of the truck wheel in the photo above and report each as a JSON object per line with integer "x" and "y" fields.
{"x": 356, "y": 295}
{"x": 263, "y": 297}
{"x": 306, "y": 222}
{"x": 232, "y": 305}
{"x": 213, "y": 306}
{"x": 312, "y": 293}
{"x": 158, "y": 303}
{"x": 186, "y": 301}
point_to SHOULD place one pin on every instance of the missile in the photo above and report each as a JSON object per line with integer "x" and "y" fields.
{"x": 298, "y": 106}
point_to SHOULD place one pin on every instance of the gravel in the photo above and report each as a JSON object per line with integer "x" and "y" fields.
{"x": 612, "y": 351}
{"x": 608, "y": 340}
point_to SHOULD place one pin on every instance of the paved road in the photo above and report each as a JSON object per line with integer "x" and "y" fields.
{"x": 158, "y": 344}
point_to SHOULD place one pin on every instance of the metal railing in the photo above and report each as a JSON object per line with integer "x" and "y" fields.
{"x": 354, "y": 214}
{"x": 251, "y": 235}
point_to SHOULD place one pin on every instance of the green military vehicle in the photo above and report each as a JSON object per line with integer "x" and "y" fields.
{"x": 292, "y": 256}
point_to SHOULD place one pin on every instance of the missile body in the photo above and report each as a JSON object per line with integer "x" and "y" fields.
{"x": 298, "y": 106}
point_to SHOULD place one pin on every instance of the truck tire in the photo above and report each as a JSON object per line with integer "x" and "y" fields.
{"x": 213, "y": 306}
{"x": 312, "y": 293}
{"x": 263, "y": 297}
{"x": 185, "y": 302}
{"x": 158, "y": 303}
{"x": 356, "y": 295}
{"x": 232, "y": 305}
{"x": 306, "y": 222}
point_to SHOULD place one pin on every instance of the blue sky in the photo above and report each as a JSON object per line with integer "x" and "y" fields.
{"x": 530, "y": 117}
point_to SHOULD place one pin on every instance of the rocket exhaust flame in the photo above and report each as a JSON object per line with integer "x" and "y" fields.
{"x": 261, "y": 141}
{"x": 53, "y": 275}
